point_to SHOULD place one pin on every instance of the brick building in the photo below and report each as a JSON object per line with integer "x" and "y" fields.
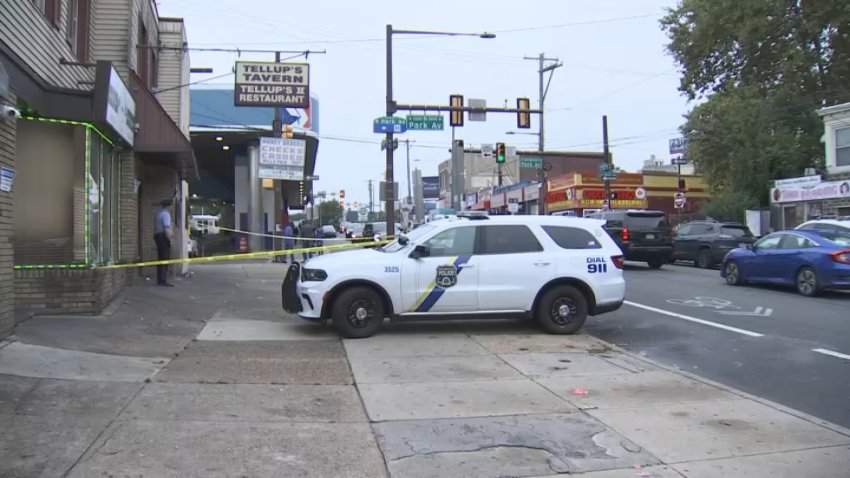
{"x": 94, "y": 149}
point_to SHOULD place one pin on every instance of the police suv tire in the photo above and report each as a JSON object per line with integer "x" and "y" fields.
{"x": 348, "y": 302}
{"x": 552, "y": 300}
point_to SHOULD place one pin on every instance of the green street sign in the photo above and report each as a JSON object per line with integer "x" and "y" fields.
{"x": 425, "y": 122}
{"x": 535, "y": 163}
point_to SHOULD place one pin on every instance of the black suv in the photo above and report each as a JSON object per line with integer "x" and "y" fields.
{"x": 642, "y": 235}
{"x": 706, "y": 243}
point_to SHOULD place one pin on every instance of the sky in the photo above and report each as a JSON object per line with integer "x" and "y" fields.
{"x": 613, "y": 52}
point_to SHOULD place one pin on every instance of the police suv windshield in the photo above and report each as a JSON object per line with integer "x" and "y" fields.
{"x": 413, "y": 237}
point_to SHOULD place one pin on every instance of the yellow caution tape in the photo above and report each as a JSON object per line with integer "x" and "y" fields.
{"x": 294, "y": 238}
{"x": 244, "y": 256}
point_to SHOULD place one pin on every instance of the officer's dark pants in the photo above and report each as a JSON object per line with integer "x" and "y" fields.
{"x": 163, "y": 252}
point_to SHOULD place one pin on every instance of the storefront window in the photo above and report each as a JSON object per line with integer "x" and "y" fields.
{"x": 103, "y": 195}
{"x": 67, "y": 192}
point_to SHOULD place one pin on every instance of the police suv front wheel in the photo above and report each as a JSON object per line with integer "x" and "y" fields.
{"x": 358, "y": 312}
{"x": 562, "y": 310}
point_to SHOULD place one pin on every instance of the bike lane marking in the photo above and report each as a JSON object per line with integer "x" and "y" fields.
{"x": 693, "y": 319}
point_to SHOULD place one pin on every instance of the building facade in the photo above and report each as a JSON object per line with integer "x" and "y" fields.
{"x": 92, "y": 152}
{"x": 814, "y": 196}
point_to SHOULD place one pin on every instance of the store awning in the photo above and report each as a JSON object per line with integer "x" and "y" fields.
{"x": 159, "y": 139}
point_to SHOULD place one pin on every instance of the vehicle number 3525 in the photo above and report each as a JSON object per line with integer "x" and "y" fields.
{"x": 596, "y": 265}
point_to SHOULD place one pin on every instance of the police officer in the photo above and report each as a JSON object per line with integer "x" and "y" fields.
{"x": 163, "y": 234}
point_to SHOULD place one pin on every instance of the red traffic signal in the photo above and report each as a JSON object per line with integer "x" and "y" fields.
{"x": 342, "y": 193}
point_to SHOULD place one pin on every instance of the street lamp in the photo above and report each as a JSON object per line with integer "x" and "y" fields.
{"x": 391, "y": 108}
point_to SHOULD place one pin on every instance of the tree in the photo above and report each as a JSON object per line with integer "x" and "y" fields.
{"x": 763, "y": 68}
{"x": 298, "y": 216}
{"x": 330, "y": 212}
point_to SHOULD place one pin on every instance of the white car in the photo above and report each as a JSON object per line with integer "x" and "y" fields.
{"x": 557, "y": 270}
{"x": 839, "y": 225}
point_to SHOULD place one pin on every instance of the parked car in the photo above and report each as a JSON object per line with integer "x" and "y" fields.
{"x": 840, "y": 225}
{"x": 643, "y": 236}
{"x": 377, "y": 228}
{"x": 809, "y": 260}
{"x": 706, "y": 242}
{"x": 328, "y": 231}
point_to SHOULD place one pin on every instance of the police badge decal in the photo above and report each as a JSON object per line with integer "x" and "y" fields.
{"x": 446, "y": 276}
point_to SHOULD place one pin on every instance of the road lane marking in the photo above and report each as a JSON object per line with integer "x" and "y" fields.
{"x": 694, "y": 319}
{"x": 830, "y": 352}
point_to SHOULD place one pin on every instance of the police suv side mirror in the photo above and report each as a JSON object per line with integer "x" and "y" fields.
{"x": 403, "y": 240}
{"x": 420, "y": 251}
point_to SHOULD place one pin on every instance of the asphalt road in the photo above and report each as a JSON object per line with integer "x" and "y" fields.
{"x": 770, "y": 342}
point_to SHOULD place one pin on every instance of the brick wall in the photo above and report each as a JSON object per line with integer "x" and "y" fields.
{"x": 129, "y": 208}
{"x": 67, "y": 291}
{"x": 7, "y": 297}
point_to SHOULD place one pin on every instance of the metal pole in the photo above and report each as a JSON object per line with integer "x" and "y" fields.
{"x": 389, "y": 193}
{"x": 544, "y": 187}
{"x": 499, "y": 169}
{"x": 409, "y": 194}
{"x": 607, "y": 159}
{"x": 371, "y": 203}
{"x": 279, "y": 206}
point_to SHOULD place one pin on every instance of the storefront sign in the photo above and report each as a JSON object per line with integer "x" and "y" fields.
{"x": 556, "y": 196}
{"x": 282, "y": 158}
{"x": 114, "y": 105}
{"x": 515, "y": 195}
{"x": 600, "y": 194}
{"x": 7, "y": 178}
{"x": 431, "y": 187}
{"x": 805, "y": 181}
{"x": 498, "y": 200}
{"x": 615, "y": 204}
{"x": 532, "y": 193}
{"x": 262, "y": 83}
{"x": 623, "y": 178}
{"x": 796, "y": 193}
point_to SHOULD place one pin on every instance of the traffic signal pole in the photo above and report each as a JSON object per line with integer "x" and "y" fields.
{"x": 607, "y": 160}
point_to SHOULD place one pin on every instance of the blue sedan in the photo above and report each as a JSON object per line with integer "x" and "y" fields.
{"x": 809, "y": 260}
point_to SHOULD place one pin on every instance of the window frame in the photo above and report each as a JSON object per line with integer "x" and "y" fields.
{"x": 475, "y": 237}
{"x": 479, "y": 243}
{"x": 843, "y": 148}
{"x": 546, "y": 227}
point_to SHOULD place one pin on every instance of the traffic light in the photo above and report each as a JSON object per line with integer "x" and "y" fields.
{"x": 288, "y": 131}
{"x": 342, "y": 193}
{"x": 523, "y": 118}
{"x": 500, "y": 153}
{"x": 342, "y": 204}
{"x": 456, "y": 117}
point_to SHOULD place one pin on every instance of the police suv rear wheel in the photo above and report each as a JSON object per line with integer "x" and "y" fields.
{"x": 358, "y": 312}
{"x": 562, "y": 310}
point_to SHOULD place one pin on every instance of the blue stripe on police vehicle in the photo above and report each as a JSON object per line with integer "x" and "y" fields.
{"x": 445, "y": 278}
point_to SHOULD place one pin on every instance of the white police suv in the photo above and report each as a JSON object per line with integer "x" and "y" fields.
{"x": 557, "y": 270}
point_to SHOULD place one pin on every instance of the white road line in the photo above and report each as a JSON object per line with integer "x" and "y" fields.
{"x": 693, "y": 319}
{"x": 830, "y": 352}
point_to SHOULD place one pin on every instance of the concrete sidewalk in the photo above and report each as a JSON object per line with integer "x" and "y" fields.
{"x": 217, "y": 381}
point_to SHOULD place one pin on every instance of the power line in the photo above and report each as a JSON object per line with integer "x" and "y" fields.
{"x": 576, "y": 24}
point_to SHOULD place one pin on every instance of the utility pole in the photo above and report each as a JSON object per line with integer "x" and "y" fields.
{"x": 542, "y": 68}
{"x": 607, "y": 160}
{"x": 409, "y": 194}
{"x": 371, "y": 202}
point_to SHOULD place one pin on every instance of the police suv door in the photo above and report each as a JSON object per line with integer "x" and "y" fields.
{"x": 513, "y": 267}
{"x": 447, "y": 279}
